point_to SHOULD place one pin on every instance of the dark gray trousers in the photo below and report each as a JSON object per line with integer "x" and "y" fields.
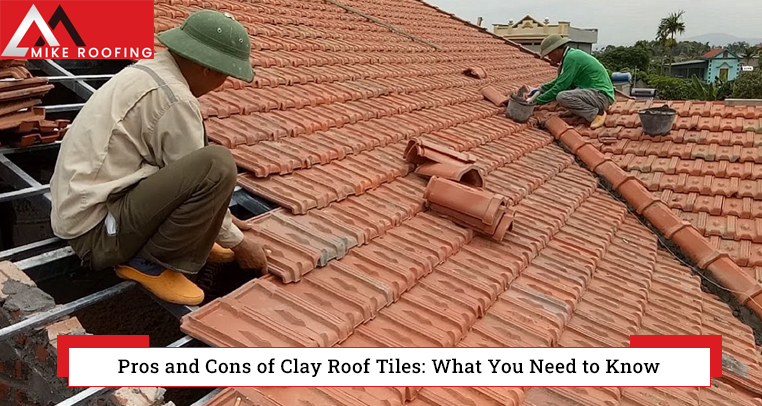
{"x": 171, "y": 218}
{"x": 585, "y": 103}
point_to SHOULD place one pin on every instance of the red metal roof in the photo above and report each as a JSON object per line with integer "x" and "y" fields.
{"x": 712, "y": 53}
{"x": 357, "y": 261}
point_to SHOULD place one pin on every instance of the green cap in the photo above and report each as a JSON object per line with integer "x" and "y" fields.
{"x": 551, "y": 43}
{"x": 213, "y": 40}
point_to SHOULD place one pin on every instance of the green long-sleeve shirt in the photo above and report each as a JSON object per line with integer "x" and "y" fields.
{"x": 579, "y": 70}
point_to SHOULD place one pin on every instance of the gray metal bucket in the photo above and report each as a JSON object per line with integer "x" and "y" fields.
{"x": 657, "y": 121}
{"x": 519, "y": 110}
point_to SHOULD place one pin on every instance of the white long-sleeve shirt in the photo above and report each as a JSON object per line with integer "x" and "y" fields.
{"x": 137, "y": 123}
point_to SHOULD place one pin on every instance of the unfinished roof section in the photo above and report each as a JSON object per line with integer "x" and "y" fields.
{"x": 708, "y": 170}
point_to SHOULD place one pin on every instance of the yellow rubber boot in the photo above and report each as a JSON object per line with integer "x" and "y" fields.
{"x": 220, "y": 255}
{"x": 170, "y": 286}
{"x": 598, "y": 121}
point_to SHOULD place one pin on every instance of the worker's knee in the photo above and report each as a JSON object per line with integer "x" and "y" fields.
{"x": 564, "y": 98}
{"x": 221, "y": 164}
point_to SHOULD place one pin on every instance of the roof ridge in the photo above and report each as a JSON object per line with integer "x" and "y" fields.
{"x": 507, "y": 41}
{"x": 486, "y": 31}
{"x": 696, "y": 247}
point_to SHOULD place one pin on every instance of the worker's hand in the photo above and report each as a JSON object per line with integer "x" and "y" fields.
{"x": 533, "y": 92}
{"x": 533, "y": 98}
{"x": 250, "y": 254}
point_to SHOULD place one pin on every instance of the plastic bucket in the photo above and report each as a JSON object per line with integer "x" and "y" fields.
{"x": 519, "y": 110}
{"x": 657, "y": 121}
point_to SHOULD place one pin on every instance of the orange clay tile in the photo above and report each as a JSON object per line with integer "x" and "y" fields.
{"x": 484, "y": 211}
{"x": 493, "y": 95}
{"x": 477, "y": 72}
{"x": 436, "y": 160}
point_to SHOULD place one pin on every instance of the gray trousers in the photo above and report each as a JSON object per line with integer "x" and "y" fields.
{"x": 585, "y": 103}
{"x": 171, "y": 218}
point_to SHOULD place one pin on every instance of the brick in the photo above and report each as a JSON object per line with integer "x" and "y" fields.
{"x": 5, "y": 391}
{"x": 9, "y": 272}
{"x": 70, "y": 326}
{"x": 28, "y": 361}
{"x": 137, "y": 397}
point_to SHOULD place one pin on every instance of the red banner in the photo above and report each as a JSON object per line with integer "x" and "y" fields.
{"x": 713, "y": 342}
{"x": 87, "y": 341}
{"x": 76, "y": 29}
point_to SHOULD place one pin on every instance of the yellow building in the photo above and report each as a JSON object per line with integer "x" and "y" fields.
{"x": 530, "y": 32}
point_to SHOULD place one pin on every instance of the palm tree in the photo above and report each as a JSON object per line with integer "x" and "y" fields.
{"x": 669, "y": 27}
{"x": 748, "y": 53}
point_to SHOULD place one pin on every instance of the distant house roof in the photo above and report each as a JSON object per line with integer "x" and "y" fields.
{"x": 716, "y": 51}
{"x": 691, "y": 62}
{"x": 712, "y": 53}
{"x": 527, "y": 17}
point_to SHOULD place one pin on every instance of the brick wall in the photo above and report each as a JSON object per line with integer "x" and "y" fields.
{"x": 28, "y": 360}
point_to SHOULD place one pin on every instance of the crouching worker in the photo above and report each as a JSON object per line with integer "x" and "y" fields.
{"x": 583, "y": 86}
{"x": 136, "y": 187}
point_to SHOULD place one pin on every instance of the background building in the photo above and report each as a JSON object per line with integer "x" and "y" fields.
{"x": 530, "y": 32}
{"x": 717, "y": 63}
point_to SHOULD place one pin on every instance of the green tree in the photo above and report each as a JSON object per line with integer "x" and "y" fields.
{"x": 667, "y": 87}
{"x": 748, "y": 85}
{"x": 701, "y": 90}
{"x": 725, "y": 89}
{"x": 687, "y": 50}
{"x": 670, "y": 27}
{"x": 625, "y": 58}
{"x": 749, "y": 53}
{"x": 737, "y": 47}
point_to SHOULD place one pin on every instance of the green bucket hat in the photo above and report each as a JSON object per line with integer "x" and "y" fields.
{"x": 213, "y": 40}
{"x": 551, "y": 43}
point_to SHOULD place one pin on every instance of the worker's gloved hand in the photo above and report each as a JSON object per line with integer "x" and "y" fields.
{"x": 533, "y": 92}
{"x": 249, "y": 253}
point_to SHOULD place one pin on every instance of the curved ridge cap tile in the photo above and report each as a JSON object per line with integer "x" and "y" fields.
{"x": 688, "y": 238}
{"x": 471, "y": 202}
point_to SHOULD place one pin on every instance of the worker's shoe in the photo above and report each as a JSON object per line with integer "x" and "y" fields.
{"x": 598, "y": 121}
{"x": 220, "y": 255}
{"x": 170, "y": 286}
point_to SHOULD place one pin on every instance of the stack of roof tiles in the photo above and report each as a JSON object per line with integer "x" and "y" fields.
{"x": 21, "y": 123}
{"x": 358, "y": 261}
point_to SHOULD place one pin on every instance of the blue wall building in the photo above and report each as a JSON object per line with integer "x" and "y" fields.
{"x": 718, "y": 63}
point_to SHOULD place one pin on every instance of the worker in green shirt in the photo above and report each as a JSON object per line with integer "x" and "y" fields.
{"x": 583, "y": 86}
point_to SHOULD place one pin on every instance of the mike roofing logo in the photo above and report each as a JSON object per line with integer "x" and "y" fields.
{"x": 76, "y": 29}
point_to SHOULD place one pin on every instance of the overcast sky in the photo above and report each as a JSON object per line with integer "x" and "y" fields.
{"x": 619, "y": 22}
